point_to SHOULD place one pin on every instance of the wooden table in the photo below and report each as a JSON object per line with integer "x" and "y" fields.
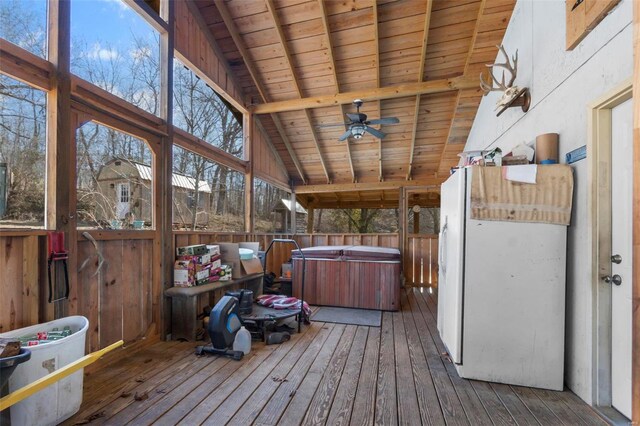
{"x": 184, "y": 302}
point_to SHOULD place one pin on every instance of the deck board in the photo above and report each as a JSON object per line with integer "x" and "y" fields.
{"x": 330, "y": 374}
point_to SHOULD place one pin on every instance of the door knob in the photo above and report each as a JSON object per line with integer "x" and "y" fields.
{"x": 617, "y": 259}
{"x": 616, "y": 279}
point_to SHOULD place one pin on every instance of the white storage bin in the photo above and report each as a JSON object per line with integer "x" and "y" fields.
{"x": 62, "y": 399}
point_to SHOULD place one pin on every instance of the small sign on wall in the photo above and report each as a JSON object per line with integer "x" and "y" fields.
{"x": 583, "y": 16}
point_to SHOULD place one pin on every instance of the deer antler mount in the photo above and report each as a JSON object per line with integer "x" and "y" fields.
{"x": 512, "y": 95}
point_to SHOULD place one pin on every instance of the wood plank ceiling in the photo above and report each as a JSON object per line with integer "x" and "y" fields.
{"x": 418, "y": 60}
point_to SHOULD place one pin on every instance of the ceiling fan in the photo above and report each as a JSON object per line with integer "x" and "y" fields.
{"x": 358, "y": 124}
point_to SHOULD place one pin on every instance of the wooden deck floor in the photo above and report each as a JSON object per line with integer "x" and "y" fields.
{"x": 330, "y": 374}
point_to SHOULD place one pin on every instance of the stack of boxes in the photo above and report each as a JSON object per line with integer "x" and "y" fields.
{"x": 199, "y": 264}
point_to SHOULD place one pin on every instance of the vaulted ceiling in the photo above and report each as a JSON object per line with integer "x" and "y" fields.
{"x": 301, "y": 63}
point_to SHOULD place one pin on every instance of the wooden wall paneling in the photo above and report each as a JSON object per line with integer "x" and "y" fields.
{"x": 30, "y": 276}
{"x": 111, "y": 294}
{"x": 132, "y": 290}
{"x": 88, "y": 292}
{"x": 196, "y": 46}
{"x": 11, "y": 251}
{"x": 635, "y": 409}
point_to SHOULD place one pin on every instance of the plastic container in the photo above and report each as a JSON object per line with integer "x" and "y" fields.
{"x": 242, "y": 342}
{"x": 62, "y": 399}
{"x": 246, "y": 254}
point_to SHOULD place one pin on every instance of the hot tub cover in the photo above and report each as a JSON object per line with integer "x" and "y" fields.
{"x": 367, "y": 253}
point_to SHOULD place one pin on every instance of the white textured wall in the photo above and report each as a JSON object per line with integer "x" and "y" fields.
{"x": 562, "y": 85}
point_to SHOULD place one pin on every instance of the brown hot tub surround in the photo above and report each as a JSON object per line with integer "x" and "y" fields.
{"x": 350, "y": 276}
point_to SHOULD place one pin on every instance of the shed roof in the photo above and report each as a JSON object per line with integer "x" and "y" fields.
{"x": 178, "y": 180}
{"x": 299, "y": 208}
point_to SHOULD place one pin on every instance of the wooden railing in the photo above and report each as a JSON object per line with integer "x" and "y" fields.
{"x": 121, "y": 291}
{"x": 281, "y": 253}
{"x": 421, "y": 260}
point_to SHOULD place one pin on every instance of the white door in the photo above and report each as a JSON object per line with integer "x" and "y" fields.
{"x": 450, "y": 257}
{"x": 123, "y": 196}
{"x": 621, "y": 243}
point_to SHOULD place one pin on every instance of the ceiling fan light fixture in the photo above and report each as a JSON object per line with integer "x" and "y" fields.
{"x": 357, "y": 131}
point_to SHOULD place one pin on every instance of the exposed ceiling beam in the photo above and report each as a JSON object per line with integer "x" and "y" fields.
{"x": 376, "y": 40}
{"x": 237, "y": 39}
{"x": 370, "y": 204}
{"x": 327, "y": 32}
{"x": 466, "y": 68}
{"x": 423, "y": 57}
{"x": 283, "y": 42}
{"x": 390, "y": 92}
{"x": 367, "y": 186}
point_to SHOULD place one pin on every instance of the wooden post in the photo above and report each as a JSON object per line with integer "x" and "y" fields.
{"x": 635, "y": 326}
{"x": 60, "y": 198}
{"x": 248, "y": 124}
{"x": 310, "y": 218}
{"x": 293, "y": 211}
{"x": 163, "y": 163}
{"x": 402, "y": 213}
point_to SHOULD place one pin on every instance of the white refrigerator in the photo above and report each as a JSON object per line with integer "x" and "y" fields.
{"x": 501, "y": 294}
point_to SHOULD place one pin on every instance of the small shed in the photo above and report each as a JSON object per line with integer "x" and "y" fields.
{"x": 125, "y": 188}
{"x": 282, "y": 217}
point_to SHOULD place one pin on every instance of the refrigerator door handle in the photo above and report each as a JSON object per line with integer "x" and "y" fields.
{"x": 442, "y": 248}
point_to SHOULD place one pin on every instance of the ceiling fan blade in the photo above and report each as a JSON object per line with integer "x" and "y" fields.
{"x": 377, "y": 133}
{"x": 357, "y": 118}
{"x": 345, "y": 135}
{"x": 387, "y": 120}
{"x": 333, "y": 125}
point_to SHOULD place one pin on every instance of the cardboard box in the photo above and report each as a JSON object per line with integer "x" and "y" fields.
{"x": 184, "y": 272}
{"x": 194, "y": 250}
{"x": 203, "y": 259}
{"x": 231, "y": 256}
{"x": 213, "y": 249}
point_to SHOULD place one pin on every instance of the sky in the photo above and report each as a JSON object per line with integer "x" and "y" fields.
{"x": 106, "y": 22}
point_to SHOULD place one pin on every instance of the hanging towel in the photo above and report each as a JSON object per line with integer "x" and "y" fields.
{"x": 546, "y": 201}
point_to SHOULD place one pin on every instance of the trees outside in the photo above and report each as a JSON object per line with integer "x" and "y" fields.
{"x": 361, "y": 221}
{"x": 266, "y": 198}
{"x": 22, "y": 121}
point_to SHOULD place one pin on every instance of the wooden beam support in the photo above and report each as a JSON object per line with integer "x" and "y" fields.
{"x": 283, "y": 42}
{"x": 466, "y": 68}
{"x": 61, "y": 149}
{"x": 24, "y": 66}
{"x": 237, "y": 39}
{"x": 163, "y": 250}
{"x": 376, "y": 40}
{"x": 366, "y": 186}
{"x": 390, "y": 92}
{"x": 211, "y": 152}
{"x": 423, "y": 57}
{"x": 287, "y": 144}
{"x": 327, "y": 32}
{"x": 249, "y": 192}
{"x": 294, "y": 204}
{"x": 310, "y": 219}
{"x": 635, "y": 326}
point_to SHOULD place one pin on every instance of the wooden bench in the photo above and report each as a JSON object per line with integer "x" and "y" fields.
{"x": 184, "y": 302}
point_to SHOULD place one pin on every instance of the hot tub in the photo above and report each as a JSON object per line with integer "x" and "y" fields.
{"x": 349, "y": 276}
